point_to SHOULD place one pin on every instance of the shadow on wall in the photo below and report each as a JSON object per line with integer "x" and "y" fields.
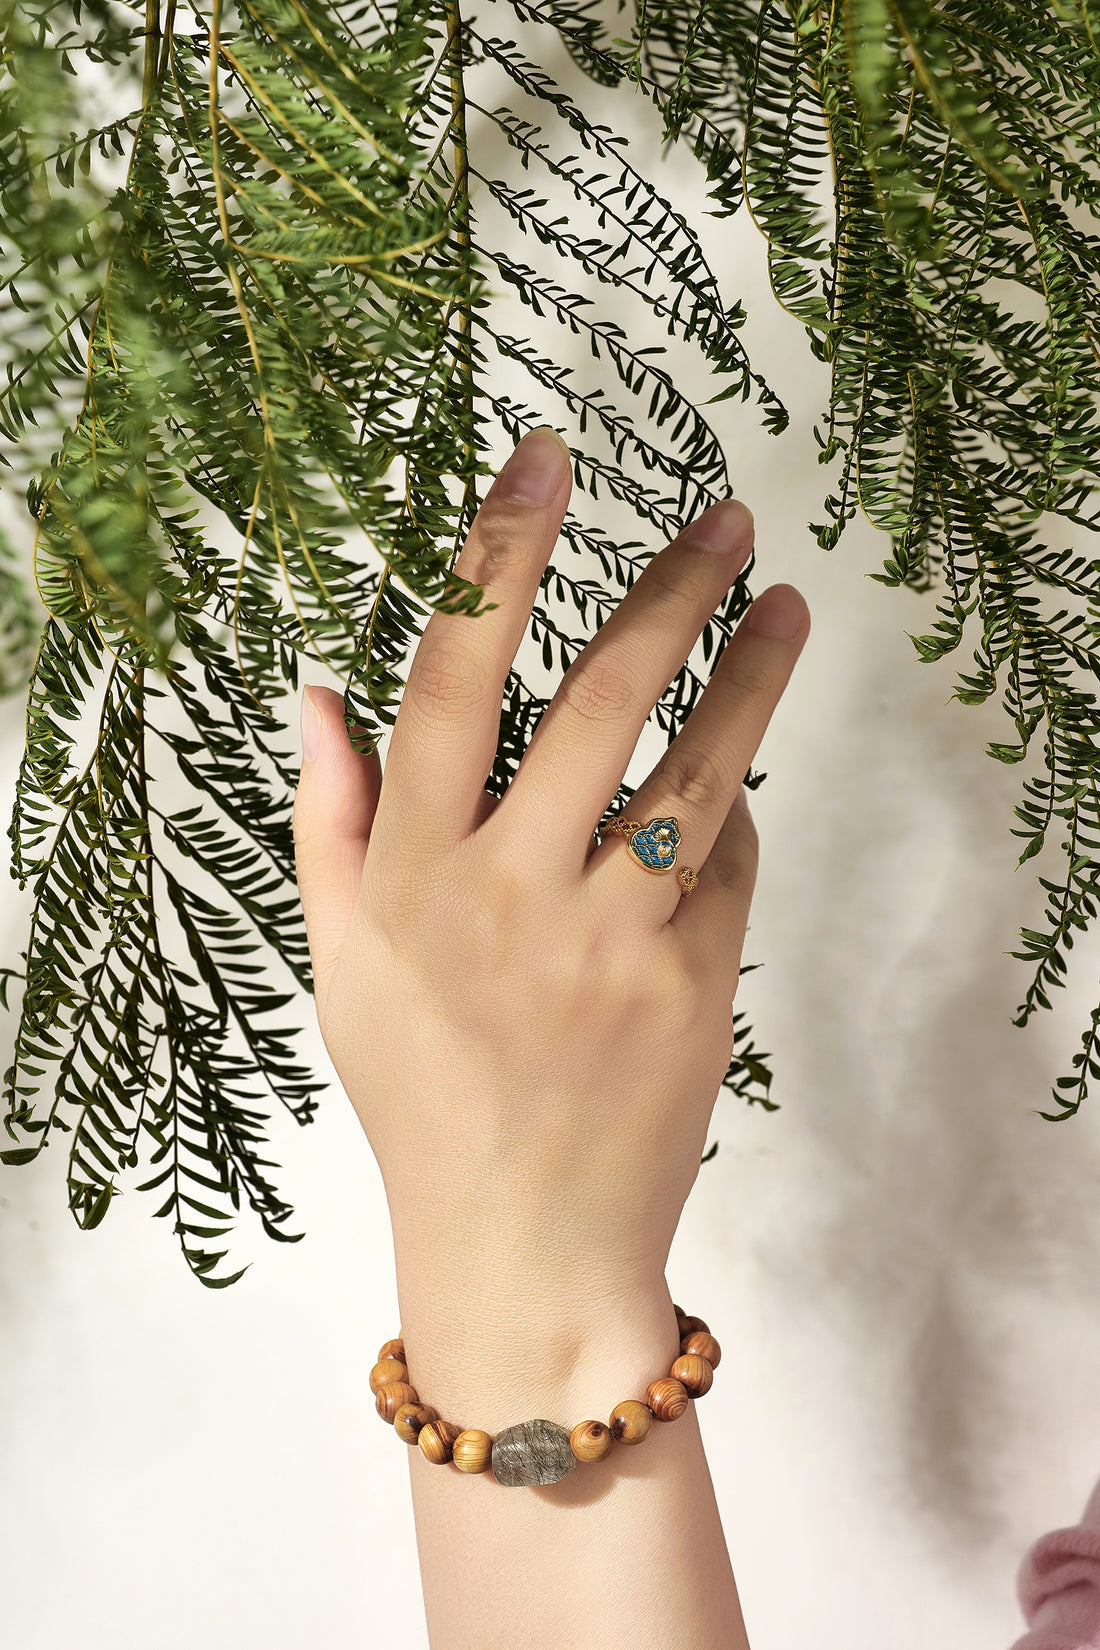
{"x": 956, "y": 1212}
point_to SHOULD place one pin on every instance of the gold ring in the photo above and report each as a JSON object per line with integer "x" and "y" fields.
{"x": 653, "y": 846}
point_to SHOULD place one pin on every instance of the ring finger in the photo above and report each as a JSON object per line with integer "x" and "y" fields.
{"x": 584, "y": 740}
{"x": 700, "y": 774}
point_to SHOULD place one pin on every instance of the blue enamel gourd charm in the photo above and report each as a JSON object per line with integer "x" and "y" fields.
{"x": 652, "y": 846}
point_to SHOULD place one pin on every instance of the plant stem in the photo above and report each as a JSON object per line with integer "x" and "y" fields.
{"x": 464, "y": 308}
{"x": 152, "y": 51}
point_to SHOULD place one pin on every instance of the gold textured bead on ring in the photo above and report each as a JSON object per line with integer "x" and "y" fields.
{"x": 541, "y": 1451}
{"x": 652, "y": 846}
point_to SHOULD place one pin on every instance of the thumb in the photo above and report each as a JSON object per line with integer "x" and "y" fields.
{"x": 334, "y": 808}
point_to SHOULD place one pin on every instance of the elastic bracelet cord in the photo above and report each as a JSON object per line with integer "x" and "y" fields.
{"x": 539, "y": 1451}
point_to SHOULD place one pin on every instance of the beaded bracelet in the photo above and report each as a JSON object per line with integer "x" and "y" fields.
{"x": 541, "y": 1452}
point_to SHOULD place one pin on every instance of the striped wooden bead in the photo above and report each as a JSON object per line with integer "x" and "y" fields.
{"x": 390, "y": 1399}
{"x": 692, "y": 1326}
{"x": 694, "y": 1374}
{"x": 630, "y": 1421}
{"x": 591, "y": 1441}
{"x": 385, "y": 1371}
{"x": 702, "y": 1345}
{"x": 436, "y": 1441}
{"x": 393, "y": 1349}
{"x": 473, "y": 1450}
{"x": 409, "y": 1420}
{"x": 667, "y": 1398}
{"x": 679, "y": 1311}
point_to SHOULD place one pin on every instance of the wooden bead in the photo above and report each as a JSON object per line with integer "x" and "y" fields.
{"x": 436, "y": 1441}
{"x": 393, "y": 1349}
{"x": 473, "y": 1450}
{"x": 390, "y": 1398}
{"x": 694, "y": 1374}
{"x": 630, "y": 1421}
{"x": 591, "y": 1441}
{"x": 667, "y": 1398}
{"x": 534, "y": 1452}
{"x": 386, "y": 1371}
{"x": 702, "y": 1345}
{"x": 409, "y": 1420}
{"x": 692, "y": 1326}
{"x": 679, "y": 1311}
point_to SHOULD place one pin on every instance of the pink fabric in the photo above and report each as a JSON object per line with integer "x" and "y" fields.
{"x": 1058, "y": 1586}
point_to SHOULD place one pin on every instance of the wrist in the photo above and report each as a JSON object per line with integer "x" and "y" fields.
{"x": 488, "y": 1350}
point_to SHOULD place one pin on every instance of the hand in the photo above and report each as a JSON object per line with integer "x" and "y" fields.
{"x": 531, "y": 1028}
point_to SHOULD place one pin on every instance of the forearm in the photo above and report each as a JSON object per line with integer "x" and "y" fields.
{"x": 627, "y": 1551}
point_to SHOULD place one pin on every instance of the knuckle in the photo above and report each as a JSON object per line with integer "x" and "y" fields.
{"x": 492, "y": 542}
{"x": 444, "y": 681}
{"x": 734, "y": 859}
{"x": 509, "y": 886}
{"x": 669, "y": 998}
{"x": 647, "y": 985}
{"x": 400, "y": 899}
{"x": 304, "y": 829}
{"x": 727, "y": 872}
{"x": 678, "y": 581}
{"x": 695, "y": 777}
{"x": 749, "y": 679}
{"x": 302, "y": 833}
{"x": 597, "y": 689}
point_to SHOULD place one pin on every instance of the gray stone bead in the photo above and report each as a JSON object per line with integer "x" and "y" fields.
{"x": 534, "y": 1452}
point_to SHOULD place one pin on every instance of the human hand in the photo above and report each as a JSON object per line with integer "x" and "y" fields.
{"x": 532, "y": 1030}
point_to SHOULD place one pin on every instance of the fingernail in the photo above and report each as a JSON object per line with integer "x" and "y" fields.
{"x": 741, "y": 800}
{"x": 725, "y": 527}
{"x": 780, "y": 613}
{"x": 536, "y": 469}
{"x": 311, "y": 728}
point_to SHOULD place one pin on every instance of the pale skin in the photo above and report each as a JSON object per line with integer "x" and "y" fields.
{"x": 533, "y": 1032}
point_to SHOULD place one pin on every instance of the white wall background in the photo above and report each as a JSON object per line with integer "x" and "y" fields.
{"x": 902, "y": 1264}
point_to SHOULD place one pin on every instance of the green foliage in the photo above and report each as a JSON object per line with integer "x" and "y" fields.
{"x": 251, "y": 297}
{"x": 953, "y": 294}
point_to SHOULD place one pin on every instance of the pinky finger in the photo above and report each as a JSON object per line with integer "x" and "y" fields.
{"x": 710, "y": 922}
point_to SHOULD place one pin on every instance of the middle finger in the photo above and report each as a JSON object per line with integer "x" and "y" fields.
{"x": 585, "y": 738}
